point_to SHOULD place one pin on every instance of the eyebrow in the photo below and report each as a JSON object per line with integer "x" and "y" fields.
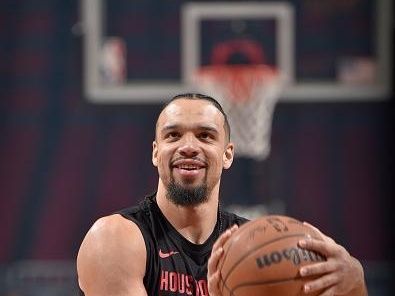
{"x": 199, "y": 127}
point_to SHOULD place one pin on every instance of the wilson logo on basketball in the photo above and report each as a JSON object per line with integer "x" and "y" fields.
{"x": 294, "y": 255}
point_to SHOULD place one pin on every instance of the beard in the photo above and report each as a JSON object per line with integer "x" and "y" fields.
{"x": 184, "y": 196}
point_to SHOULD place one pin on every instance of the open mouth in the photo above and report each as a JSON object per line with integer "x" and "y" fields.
{"x": 188, "y": 166}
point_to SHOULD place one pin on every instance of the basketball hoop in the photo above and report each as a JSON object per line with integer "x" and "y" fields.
{"x": 248, "y": 94}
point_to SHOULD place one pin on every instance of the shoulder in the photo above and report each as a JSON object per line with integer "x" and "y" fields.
{"x": 113, "y": 230}
{"x": 113, "y": 249}
{"x": 112, "y": 233}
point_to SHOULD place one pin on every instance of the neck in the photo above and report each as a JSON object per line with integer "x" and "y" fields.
{"x": 195, "y": 223}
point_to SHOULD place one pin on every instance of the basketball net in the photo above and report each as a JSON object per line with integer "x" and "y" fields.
{"x": 248, "y": 94}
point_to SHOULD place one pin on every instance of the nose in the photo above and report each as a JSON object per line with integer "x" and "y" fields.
{"x": 189, "y": 146}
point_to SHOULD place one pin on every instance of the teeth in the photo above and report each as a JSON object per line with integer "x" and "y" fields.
{"x": 188, "y": 167}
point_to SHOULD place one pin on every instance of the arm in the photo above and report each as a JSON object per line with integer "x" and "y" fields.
{"x": 341, "y": 274}
{"x": 112, "y": 258}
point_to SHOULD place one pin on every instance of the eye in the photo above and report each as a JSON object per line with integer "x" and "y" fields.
{"x": 205, "y": 136}
{"x": 173, "y": 135}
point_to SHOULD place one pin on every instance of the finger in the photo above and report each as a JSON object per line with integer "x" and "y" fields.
{"x": 224, "y": 237}
{"x": 218, "y": 250}
{"x": 323, "y": 236}
{"x": 234, "y": 228}
{"x": 317, "y": 268}
{"x": 214, "y": 259}
{"x": 215, "y": 276}
{"x": 321, "y": 283}
{"x": 214, "y": 282}
{"x": 329, "y": 292}
{"x": 323, "y": 247}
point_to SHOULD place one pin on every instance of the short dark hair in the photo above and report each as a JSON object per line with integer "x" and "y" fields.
{"x": 198, "y": 96}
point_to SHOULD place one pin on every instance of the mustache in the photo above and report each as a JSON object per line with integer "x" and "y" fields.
{"x": 196, "y": 158}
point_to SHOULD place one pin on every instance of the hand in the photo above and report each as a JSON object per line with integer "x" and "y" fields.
{"x": 213, "y": 273}
{"x": 340, "y": 274}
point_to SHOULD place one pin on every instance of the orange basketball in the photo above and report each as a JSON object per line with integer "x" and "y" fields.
{"x": 263, "y": 258}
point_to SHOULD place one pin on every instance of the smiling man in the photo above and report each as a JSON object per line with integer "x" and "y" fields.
{"x": 163, "y": 246}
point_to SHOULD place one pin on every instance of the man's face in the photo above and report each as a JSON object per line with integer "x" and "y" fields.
{"x": 191, "y": 147}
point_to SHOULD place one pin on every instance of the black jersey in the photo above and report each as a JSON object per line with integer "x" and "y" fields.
{"x": 175, "y": 266}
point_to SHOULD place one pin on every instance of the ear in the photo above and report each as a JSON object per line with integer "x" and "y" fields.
{"x": 155, "y": 153}
{"x": 228, "y": 155}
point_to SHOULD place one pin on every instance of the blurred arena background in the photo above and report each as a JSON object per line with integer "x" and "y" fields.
{"x": 82, "y": 84}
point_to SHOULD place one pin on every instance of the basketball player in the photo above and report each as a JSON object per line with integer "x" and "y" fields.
{"x": 162, "y": 246}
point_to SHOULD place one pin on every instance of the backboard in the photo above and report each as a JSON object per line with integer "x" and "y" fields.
{"x": 327, "y": 50}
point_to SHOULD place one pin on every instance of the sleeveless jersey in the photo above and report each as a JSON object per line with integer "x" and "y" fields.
{"x": 175, "y": 266}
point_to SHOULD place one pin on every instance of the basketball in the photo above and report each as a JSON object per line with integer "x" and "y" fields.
{"x": 263, "y": 258}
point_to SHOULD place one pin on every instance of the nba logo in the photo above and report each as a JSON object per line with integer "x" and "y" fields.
{"x": 113, "y": 61}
